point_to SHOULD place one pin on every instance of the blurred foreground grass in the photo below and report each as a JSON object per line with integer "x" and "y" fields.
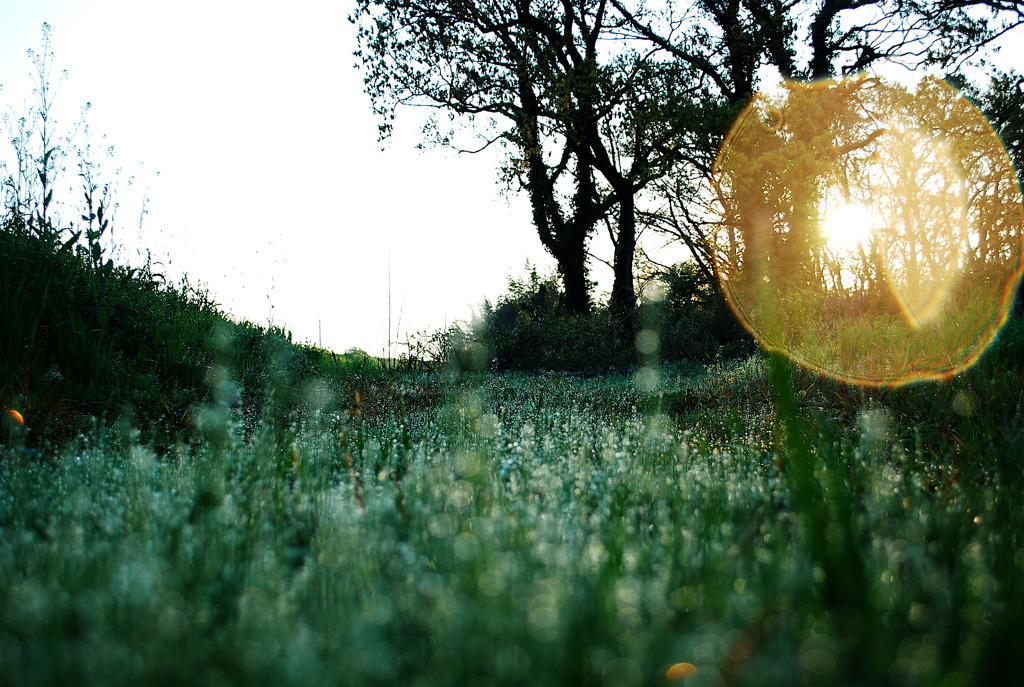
{"x": 538, "y": 530}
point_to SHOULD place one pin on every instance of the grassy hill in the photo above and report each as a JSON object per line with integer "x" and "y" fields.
{"x": 82, "y": 341}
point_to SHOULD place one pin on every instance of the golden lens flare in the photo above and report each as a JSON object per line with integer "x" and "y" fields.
{"x": 869, "y": 231}
{"x": 17, "y": 416}
{"x": 680, "y": 671}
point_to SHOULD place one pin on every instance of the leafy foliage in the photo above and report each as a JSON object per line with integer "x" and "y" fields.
{"x": 694, "y": 321}
{"x": 587, "y": 120}
{"x": 528, "y": 328}
{"x": 599, "y": 103}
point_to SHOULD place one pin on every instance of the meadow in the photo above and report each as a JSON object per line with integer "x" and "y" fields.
{"x": 741, "y": 523}
{"x": 188, "y": 499}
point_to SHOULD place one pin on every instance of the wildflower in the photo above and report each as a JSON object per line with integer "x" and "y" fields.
{"x": 507, "y": 466}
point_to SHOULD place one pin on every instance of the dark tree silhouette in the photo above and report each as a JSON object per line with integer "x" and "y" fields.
{"x": 588, "y": 119}
{"x": 598, "y": 101}
{"x": 728, "y": 41}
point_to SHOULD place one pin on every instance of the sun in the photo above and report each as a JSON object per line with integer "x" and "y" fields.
{"x": 847, "y": 227}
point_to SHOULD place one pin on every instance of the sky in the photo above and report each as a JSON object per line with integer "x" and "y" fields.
{"x": 246, "y": 127}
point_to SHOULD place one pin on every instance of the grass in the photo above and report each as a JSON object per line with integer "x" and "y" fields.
{"x": 542, "y": 530}
{"x": 122, "y": 343}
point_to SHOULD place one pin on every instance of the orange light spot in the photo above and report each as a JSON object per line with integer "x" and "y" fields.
{"x": 680, "y": 671}
{"x": 17, "y": 416}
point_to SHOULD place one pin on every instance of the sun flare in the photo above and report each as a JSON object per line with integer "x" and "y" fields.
{"x": 847, "y": 227}
{"x": 873, "y": 232}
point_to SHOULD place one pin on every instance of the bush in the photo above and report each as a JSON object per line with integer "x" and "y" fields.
{"x": 695, "y": 321}
{"x": 527, "y": 329}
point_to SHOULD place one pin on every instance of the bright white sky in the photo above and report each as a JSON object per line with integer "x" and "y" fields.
{"x": 247, "y": 126}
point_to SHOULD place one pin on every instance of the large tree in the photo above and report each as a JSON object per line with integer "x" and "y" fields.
{"x": 491, "y": 64}
{"x": 597, "y": 101}
{"x": 587, "y": 120}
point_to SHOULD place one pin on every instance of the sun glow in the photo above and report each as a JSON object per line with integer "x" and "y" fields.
{"x": 869, "y": 231}
{"x": 847, "y": 227}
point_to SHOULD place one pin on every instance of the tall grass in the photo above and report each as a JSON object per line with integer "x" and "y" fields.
{"x": 509, "y": 530}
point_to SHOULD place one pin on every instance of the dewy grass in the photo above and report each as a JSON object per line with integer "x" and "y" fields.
{"x": 257, "y": 513}
{"x": 535, "y": 531}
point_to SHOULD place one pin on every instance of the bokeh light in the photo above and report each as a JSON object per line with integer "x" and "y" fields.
{"x": 680, "y": 671}
{"x": 868, "y": 230}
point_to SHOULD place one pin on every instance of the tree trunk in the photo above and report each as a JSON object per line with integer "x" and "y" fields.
{"x": 623, "y": 298}
{"x": 575, "y": 283}
{"x": 565, "y": 238}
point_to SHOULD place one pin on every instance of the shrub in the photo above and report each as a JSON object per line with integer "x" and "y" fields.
{"x": 696, "y": 323}
{"x": 527, "y": 328}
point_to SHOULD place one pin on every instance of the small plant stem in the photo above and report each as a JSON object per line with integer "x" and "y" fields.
{"x": 823, "y": 499}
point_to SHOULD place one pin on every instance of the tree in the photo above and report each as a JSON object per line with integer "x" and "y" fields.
{"x": 1003, "y": 105}
{"x": 656, "y": 116}
{"x": 588, "y": 121}
{"x": 730, "y": 39}
{"x": 597, "y": 102}
{"x": 493, "y": 61}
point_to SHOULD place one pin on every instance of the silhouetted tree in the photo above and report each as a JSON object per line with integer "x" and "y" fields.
{"x": 588, "y": 120}
{"x": 596, "y": 101}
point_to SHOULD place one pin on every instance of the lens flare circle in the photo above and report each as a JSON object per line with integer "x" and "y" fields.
{"x": 868, "y": 230}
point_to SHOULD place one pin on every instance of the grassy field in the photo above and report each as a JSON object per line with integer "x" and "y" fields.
{"x": 190, "y": 500}
{"x": 533, "y": 530}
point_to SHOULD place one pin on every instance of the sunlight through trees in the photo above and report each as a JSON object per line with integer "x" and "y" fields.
{"x": 869, "y": 231}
